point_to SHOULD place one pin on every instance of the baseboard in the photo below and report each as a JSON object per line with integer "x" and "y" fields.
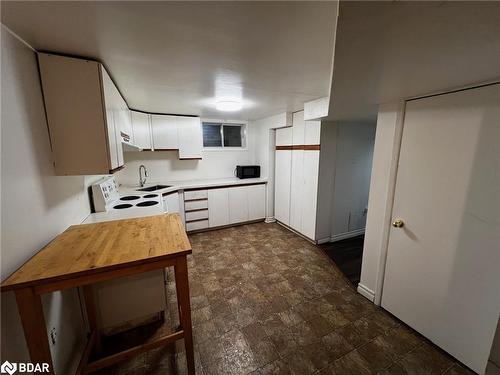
{"x": 323, "y": 240}
{"x": 343, "y": 236}
{"x": 270, "y": 219}
{"x": 294, "y": 231}
{"x": 224, "y": 226}
{"x": 366, "y": 292}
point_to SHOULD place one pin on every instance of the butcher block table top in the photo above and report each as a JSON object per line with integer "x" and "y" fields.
{"x": 89, "y": 249}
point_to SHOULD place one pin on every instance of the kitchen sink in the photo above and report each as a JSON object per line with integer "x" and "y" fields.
{"x": 154, "y": 188}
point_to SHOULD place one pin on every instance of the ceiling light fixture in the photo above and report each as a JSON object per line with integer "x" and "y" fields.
{"x": 228, "y": 105}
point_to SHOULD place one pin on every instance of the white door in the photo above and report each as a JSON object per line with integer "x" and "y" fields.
{"x": 297, "y": 189}
{"x": 190, "y": 137}
{"x": 443, "y": 266}
{"x": 256, "y": 202}
{"x": 310, "y": 193}
{"x": 238, "y": 204}
{"x": 164, "y": 131}
{"x": 141, "y": 129}
{"x": 218, "y": 207}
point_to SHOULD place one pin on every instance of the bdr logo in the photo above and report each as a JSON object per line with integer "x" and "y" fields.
{"x": 11, "y": 368}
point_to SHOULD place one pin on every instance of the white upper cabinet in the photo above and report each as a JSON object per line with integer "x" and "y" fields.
{"x": 190, "y": 137}
{"x": 82, "y": 126}
{"x": 284, "y": 136}
{"x": 115, "y": 118}
{"x": 165, "y": 133}
{"x": 181, "y": 133}
{"x": 312, "y": 132}
{"x": 141, "y": 127}
{"x": 298, "y": 128}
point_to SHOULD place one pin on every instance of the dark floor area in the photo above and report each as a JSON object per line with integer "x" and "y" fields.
{"x": 347, "y": 255}
{"x": 265, "y": 301}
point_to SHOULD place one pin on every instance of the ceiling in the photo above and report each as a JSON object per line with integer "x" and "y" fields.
{"x": 387, "y": 51}
{"x": 180, "y": 57}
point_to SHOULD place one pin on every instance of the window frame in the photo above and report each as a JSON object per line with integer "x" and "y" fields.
{"x": 244, "y": 136}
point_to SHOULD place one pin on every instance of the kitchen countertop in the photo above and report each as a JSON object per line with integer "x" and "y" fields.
{"x": 128, "y": 213}
{"x": 83, "y": 250}
{"x": 190, "y": 184}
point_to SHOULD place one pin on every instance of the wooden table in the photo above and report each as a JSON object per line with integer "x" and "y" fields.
{"x": 90, "y": 253}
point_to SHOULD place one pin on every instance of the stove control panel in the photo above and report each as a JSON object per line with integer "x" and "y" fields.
{"x": 104, "y": 192}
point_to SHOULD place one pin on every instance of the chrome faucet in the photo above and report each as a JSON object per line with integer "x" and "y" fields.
{"x": 142, "y": 181}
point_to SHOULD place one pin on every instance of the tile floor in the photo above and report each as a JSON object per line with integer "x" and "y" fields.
{"x": 266, "y": 301}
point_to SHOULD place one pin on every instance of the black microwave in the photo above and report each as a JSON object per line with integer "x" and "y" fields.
{"x": 248, "y": 171}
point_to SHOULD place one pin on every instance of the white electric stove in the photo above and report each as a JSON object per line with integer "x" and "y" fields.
{"x": 128, "y": 301}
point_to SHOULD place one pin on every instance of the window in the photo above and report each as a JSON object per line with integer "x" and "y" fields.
{"x": 221, "y": 135}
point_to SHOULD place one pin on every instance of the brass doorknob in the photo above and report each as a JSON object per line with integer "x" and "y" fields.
{"x": 398, "y": 223}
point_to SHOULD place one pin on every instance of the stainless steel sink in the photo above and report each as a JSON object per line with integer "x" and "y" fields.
{"x": 154, "y": 188}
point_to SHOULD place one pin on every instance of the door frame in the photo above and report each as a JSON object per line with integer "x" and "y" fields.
{"x": 384, "y": 216}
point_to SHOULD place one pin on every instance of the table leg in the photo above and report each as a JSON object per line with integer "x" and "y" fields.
{"x": 90, "y": 307}
{"x": 30, "y": 309}
{"x": 182, "y": 286}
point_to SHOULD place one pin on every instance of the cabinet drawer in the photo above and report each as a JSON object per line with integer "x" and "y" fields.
{"x": 195, "y": 205}
{"x": 195, "y": 194}
{"x": 195, "y": 215}
{"x": 196, "y": 225}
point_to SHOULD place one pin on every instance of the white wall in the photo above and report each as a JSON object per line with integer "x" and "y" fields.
{"x": 326, "y": 181}
{"x": 36, "y": 205}
{"x": 165, "y": 166}
{"x": 265, "y": 136}
{"x": 353, "y": 163}
{"x": 385, "y": 154}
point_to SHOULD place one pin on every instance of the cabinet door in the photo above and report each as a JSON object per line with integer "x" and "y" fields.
{"x": 312, "y": 132}
{"x": 123, "y": 121}
{"x": 190, "y": 137}
{"x": 164, "y": 131}
{"x": 298, "y": 128}
{"x": 310, "y": 193}
{"x": 218, "y": 207}
{"x": 112, "y": 101}
{"x": 172, "y": 202}
{"x": 238, "y": 204}
{"x": 283, "y": 163}
{"x": 284, "y": 136}
{"x": 297, "y": 189}
{"x": 256, "y": 202}
{"x": 141, "y": 129}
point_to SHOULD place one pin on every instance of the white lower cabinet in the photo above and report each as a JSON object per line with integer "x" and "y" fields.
{"x": 238, "y": 204}
{"x": 196, "y": 225}
{"x": 235, "y": 205}
{"x": 218, "y": 207}
{"x": 256, "y": 202}
{"x": 171, "y": 203}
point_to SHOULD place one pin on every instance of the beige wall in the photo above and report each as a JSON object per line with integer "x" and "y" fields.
{"x": 35, "y": 204}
